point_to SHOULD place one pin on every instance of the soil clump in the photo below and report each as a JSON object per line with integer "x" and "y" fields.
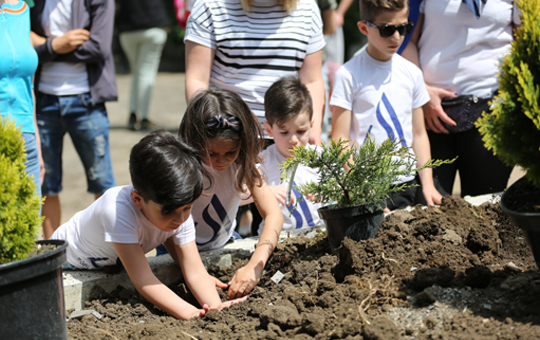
{"x": 451, "y": 272}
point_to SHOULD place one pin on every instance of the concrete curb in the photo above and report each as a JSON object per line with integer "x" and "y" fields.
{"x": 79, "y": 284}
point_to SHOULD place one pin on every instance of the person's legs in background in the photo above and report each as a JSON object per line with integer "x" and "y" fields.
{"x": 90, "y": 135}
{"x": 442, "y": 147}
{"x": 480, "y": 171}
{"x": 51, "y": 131}
{"x": 143, "y": 49}
{"x": 32, "y": 160}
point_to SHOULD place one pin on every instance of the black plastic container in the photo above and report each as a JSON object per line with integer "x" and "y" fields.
{"x": 32, "y": 296}
{"x": 529, "y": 222}
{"x": 360, "y": 222}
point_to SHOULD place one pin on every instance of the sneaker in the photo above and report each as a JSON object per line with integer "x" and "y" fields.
{"x": 147, "y": 125}
{"x": 133, "y": 124}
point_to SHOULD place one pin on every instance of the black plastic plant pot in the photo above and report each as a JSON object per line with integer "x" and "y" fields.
{"x": 529, "y": 222}
{"x": 360, "y": 222}
{"x": 32, "y": 296}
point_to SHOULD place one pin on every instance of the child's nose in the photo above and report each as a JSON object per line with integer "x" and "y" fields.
{"x": 294, "y": 139}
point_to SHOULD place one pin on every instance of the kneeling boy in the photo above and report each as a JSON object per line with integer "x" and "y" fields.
{"x": 129, "y": 221}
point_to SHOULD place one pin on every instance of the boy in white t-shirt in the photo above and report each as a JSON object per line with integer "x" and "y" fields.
{"x": 380, "y": 94}
{"x": 288, "y": 112}
{"x": 129, "y": 221}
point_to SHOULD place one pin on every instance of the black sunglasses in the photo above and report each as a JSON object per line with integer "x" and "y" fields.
{"x": 388, "y": 30}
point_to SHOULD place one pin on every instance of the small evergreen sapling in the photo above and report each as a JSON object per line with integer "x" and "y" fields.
{"x": 19, "y": 204}
{"x": 512, "y": 130}
{"x": 373, "y": 171}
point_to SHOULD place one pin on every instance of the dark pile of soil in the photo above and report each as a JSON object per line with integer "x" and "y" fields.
{"x": 454, "y": 272}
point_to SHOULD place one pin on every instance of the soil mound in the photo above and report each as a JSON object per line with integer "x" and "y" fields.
{"x": 451, "y": 272}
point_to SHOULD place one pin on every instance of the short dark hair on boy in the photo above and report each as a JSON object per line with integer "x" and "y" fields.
{"x": 286, "y": 99}
{"x": 370, "y": 9}
{"x": 166, "y": 170}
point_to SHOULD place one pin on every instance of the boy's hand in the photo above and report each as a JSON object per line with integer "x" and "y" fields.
{"x": 280, "y": 192}
{"x": 198, "y": 313}
{"x": 243, "y": 281}
{"x": 431, "y": 195}
{"x": 433, "y": 111}
{"x": 218, "y": 282}
{"x": 229, "y": 303}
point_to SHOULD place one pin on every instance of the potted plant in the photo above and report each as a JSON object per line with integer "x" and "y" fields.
{"x": 355, "y": 182}
{"x": 512, "y": 129}
{"x": 31, "y": 288}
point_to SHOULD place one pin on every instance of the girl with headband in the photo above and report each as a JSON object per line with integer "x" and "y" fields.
{"x": 229, "y": 137}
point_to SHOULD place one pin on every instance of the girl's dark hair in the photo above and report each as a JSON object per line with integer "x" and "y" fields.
{"x": 203, "y": 108}
{"x": 370, "y": 9}
{"x": 286, "y": 99}
{"x": 166, "y": 170}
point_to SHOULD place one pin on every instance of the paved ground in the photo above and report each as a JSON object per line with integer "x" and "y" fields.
{"x": 166, "y": 109}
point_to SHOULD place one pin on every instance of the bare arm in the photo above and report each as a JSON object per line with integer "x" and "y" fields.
{"x": 422, "y": 150}
{"x": 247, "y": 277}
{"x": 146, "y": 283}
{"x": 341, "y": 123}
{"x": 329, "y": 21}
{"x": 199, "y": 60}
{"x": 310, "y": 75}
{"x": 341, "y": 10}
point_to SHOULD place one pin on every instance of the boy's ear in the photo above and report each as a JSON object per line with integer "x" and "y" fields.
{"x": 137, "y": 199}
{"x": 268, "y": 129}
{"x": 362, "y": 26}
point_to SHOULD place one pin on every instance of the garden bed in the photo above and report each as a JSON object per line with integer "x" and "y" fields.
{"x": 454, "y": 272}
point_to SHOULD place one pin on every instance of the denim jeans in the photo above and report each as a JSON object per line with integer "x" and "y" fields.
{"x": 32, "y": 160}
{"x": 88, "y": 127}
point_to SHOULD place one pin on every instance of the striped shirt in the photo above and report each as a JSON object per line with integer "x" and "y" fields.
{"x": 255, "y": 48}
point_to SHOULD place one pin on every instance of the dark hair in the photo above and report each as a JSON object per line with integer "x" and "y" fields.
{"x": 286, "y": 99}
{"x": 166, "y": 170}
{"x": 370, "y": 9}
{"x": 204, "y": 108}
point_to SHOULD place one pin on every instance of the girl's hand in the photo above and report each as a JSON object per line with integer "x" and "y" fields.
{"x": 433, "y": 111}
{"x": 243, "y": 281}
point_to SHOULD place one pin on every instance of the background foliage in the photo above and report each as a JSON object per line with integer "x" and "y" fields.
{"x": 512, "y": 130}
{"x": 19, "y": 204}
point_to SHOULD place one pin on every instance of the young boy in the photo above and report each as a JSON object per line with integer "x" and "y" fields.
{"x": 380, "y": 94}
{"x": 128, "y": 221}
{"x": 288, "y": 112}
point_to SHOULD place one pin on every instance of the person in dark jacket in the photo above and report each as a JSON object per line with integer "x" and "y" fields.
{"x": 74, "y": 79}
{"x": 143, "y": 28}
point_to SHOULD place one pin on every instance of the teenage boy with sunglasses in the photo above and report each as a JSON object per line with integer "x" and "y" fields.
{"x": 380, "y": 94}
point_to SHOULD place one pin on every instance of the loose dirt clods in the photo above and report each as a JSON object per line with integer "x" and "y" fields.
{"x": 449, "y": 272}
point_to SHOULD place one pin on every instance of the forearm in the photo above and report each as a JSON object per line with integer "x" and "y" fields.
{"x": 267, "y": 241}
{"x": 164, "y": 298}
{"x": 316, "y": 90}
{"x": 422, "y": 151}
{"x": 203, "y": 287}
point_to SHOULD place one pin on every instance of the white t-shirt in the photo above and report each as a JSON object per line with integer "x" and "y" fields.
{"x": 113, "y": 218}
{"x": 381, "y": 96}
{"x": 460, "y": 53}
{"x": 256, "y": 48}
{"x": 304, "y": 213}
{"x": 61, "y": 78}
{"x": 214, "y": 212}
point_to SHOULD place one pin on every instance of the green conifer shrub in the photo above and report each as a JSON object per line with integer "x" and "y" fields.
{"x": 19, "y": 204}
{"x": 512, "y": 130}
{"x": 373, "y": 171}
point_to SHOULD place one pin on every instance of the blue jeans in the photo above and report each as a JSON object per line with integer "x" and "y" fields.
{"x": 88, "y": 127}
{"x": 32, "y": 160}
